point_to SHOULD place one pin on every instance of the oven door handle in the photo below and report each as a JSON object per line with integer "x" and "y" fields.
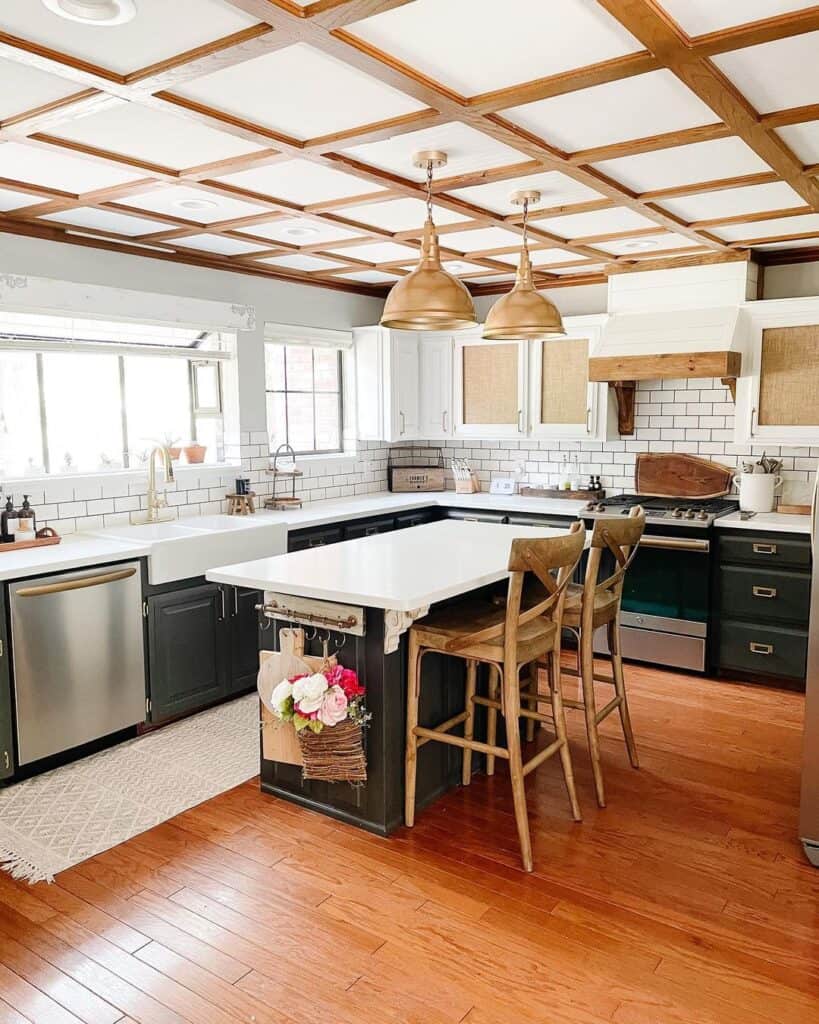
{"x": 654, "y": 540}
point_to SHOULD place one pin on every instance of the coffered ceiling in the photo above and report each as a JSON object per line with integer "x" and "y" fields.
{"x": 275, "y": 137}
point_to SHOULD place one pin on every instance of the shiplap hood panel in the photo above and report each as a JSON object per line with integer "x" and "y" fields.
{"x": 663, "y": 312}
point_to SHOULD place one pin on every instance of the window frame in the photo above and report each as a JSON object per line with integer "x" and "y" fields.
{"x": 339, "y": 353}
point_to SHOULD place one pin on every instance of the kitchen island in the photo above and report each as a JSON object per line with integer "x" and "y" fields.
{"x": 362, "y": 596}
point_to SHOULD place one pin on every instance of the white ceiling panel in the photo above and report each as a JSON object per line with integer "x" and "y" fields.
{"x": 52, "y": 168}
{"x": 696, "y": 17}
{"x": 296, "y": 231}
{"x": 683, "y": 165}
{"x": 646, "y": 244}
{"x": 632, "y": 108}
{"x": 399, "y": 214}
{"x": 459, "y": 267}
{"x": 491, "y": 279}
{"x": 301, "y": 92}
{"x": 480, "y": 239}
{"x": 773, "y": 76}
{"x": 540, "y": 257}
{"x": 598, "y": 222}
{"x": 11, "y": 200}
{"x": 300, "y": 181}
{"x": 105, "y": 220}
{"x": 800, "y": 243}
{"x": 301, "y": 261}
{"x": 474, "y": 46}
{"x": 23, "y": 88}
{"x": 586, "y": 268}
{"x": 156, "y": 136}
{"x": 184, "y": 201}
{"x": 151, "y": 37}
{"x": 731, "y": 202}
{"x": 803, "y": 139}
{"x": 468, "y": 150}
{"x": 555, "y": 189}
{"x": 768, "y": 228}
{"x": 217, "y": 243}
{"x": 369, "y": 277}
{"x": 379, "y": 252}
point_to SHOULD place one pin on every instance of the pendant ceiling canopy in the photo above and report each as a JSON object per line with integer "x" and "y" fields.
{"x": 523, "y": 313}
{"x": 429, "y": 298}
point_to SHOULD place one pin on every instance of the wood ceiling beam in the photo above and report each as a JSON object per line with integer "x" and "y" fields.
{"x": 650, "y": 143}
{"x": 779, "y": 257}
{"x": 785, "y": 236}
{"x": 715, "y": 185}
{"x": 375, "y": 132}
{"x": 750, "y": 218}
{"x": 753, "y": 33}
{"x": 661, "y": 37}
{"x": 792, "y": 115}
{"x": 78, "y": 104}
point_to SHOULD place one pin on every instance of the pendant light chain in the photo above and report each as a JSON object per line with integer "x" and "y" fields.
{"x": 429, "y": 190}
{"x": 526, "y": 223}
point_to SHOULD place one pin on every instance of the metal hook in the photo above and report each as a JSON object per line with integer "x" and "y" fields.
{"x": 265, "y": 622}
{"x": 339, "y": 643}
{"x": 308, "y": 636}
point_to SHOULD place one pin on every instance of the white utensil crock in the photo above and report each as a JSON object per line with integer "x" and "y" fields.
{"x": 757, "y": 491}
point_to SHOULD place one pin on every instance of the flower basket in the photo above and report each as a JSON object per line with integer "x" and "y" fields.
{"x": 335, "y": 754}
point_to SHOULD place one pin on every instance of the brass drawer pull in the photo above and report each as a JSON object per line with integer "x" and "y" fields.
{"x": 755, "y": 648}
{"x": 764, "y": 591}
{"x": 765, "y": 549}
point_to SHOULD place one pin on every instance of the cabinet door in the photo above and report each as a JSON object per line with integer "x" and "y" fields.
{"x": 301, "y": 540}
{"x": 787, "y": 385}
{"x": 563, "y": 402}
{"x": 490, "y": 388}
{"x": 187, "y": 649}
{"x": 435, "y": 358}
{"x": 244, "y": 638}
{"x": 368, "y": 528}
{"x": 6, "y": 726}
{"x": 404, "y": 378}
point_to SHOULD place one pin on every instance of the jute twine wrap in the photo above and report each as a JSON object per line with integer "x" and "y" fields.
{"x": 336, "y": 754}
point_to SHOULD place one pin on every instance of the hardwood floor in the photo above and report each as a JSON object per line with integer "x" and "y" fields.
{"x": 685, "y": 901}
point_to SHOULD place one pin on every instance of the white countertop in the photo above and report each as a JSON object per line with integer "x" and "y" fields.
{"x": 404, "y": 571}
{"x": 773, "y": 522}
{"x": 73, "y": 552}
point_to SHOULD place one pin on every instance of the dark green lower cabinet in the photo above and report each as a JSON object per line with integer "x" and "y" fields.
{"x": 244, "y": 638}
{"x": 6, "y": 726}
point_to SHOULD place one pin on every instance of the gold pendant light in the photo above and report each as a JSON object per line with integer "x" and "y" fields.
{"x": 429, "y": 299}
{"x": 523, "y": 313}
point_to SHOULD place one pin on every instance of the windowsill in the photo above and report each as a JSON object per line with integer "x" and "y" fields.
{"x": 185, "y": 469}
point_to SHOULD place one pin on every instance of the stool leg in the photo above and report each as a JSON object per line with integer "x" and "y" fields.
{"x": 469, "y": 724}
{"x": 620, "y": 689}
{"x": 511, "y": 714}
{"x": 590, "y": 709}
{"x": 531, "y": 687}
{"x": 559, "y": 716}
{"x": 492, "y": 718}
{"x": 411, "y": 755}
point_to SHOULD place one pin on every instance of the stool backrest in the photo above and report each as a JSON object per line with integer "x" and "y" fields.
{"x": 621, "y": 538}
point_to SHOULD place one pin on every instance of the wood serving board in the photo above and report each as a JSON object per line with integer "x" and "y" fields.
{"x": 38, "y": 542}
{"x": 681, "y": 476}
{"x": 554, "y": 492}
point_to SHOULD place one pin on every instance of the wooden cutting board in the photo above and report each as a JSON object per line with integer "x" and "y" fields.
{"x": 681, "y": 476}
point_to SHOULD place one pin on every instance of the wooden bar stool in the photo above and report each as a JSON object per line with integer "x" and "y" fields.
{"x": 597, "y": 603}
{"x": 505, "y": 639}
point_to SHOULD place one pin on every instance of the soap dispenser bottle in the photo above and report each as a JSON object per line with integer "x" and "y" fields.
{"x": 8, "y": 521}
{"x": 26, "y": 521}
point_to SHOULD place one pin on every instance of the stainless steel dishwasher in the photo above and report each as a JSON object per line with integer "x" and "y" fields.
{"x": 77, "y": 652}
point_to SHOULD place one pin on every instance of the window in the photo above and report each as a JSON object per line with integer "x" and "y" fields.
{"x": 84, "y": 396}
{"x": 304, "y": 397}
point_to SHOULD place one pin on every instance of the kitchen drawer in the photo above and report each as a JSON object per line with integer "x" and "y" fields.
{"x": 473, "y": 516}
{"x": 765, "y": 549}
{"x": 406, "y": 519}
{"x": 300, "y": 540}
{"x": 762, "y": 594}
{"x": 766, "y": 650}
{"x": 368, "y": 527}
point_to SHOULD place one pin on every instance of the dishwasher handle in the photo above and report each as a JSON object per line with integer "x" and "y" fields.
{"x": 80, "y": 584}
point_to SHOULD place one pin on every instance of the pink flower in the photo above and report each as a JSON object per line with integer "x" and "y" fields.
{"x": 333, "y": 706}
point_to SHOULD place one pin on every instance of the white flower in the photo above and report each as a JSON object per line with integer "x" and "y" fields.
{"x": 308, "y": 692}
{"x": 280, "y": 693}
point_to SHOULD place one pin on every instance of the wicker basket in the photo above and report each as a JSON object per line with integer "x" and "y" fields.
{"x": 336, "y": 754}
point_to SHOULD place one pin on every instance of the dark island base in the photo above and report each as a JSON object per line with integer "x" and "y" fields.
{"x": 378, "y": 804}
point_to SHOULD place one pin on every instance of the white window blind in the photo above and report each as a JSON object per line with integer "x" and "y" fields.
{"x": 315, "y": 337}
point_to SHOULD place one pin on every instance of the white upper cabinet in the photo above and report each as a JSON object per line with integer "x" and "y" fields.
{"x": 563, "y": 403}
{"x": 435, "y": 355}
{"x": 778, "y": 392}
{"x": 387, "y": 377}
{"x": 490, "y": 387}
{"x": 404, "y": 369}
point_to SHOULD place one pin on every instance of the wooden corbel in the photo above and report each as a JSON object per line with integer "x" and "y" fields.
{"x": 624, "y": 392}
{"x": 731, "y": 384}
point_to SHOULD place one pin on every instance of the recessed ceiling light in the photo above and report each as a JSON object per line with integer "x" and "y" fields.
{"x": 641, "y": 243}
{"x": 94, "y": 12}
{"x": 197, "y": 204}
{"x": 300, "y": 232}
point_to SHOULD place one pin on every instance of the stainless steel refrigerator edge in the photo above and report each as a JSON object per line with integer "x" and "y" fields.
{"x": 77, "y": 649}
{"x": 809, "y": 809}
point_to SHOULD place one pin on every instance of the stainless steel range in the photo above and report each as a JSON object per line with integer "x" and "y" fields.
{"x": 667, "y": 593}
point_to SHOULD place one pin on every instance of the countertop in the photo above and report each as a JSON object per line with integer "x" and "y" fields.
{"x": 766, "y": 522}
{"x": 404, "y": 571}
{"x": 73, "y": 552}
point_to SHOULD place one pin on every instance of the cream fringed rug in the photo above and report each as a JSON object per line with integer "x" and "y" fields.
{"x": 56, "y": 820}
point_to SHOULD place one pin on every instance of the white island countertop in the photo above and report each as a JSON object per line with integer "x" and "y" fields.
{"x": 404, "y": 571}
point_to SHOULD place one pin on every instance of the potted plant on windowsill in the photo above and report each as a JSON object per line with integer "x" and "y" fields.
{"x": 194, "y": 452}
{"x": 171, "y": 442}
